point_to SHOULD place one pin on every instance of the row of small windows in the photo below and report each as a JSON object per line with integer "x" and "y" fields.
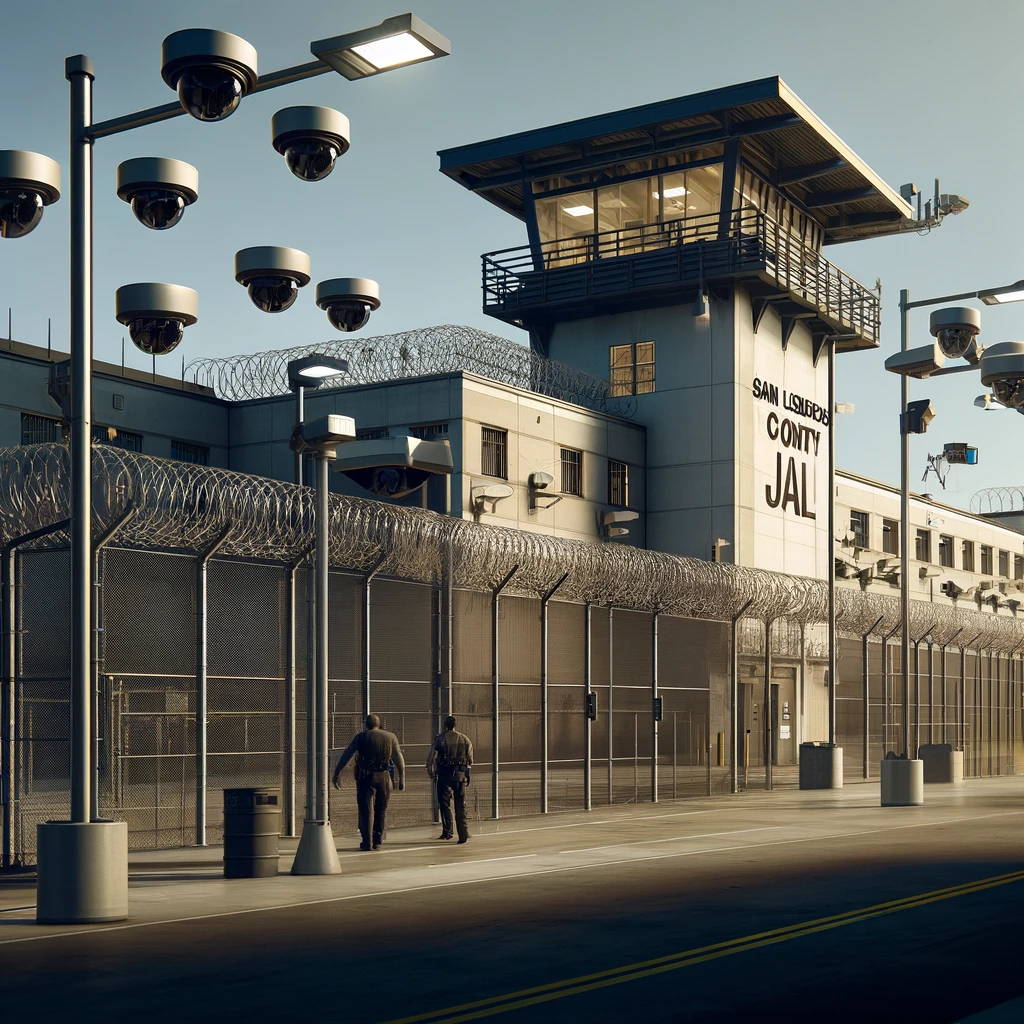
{"x": 860, "y": 528}
{"x": 46, "y": 430}
{"x": 494, "y": 462}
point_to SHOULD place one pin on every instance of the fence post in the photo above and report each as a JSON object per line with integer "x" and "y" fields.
{"x": 291, "y": 682}
{"x": 587, "y": 723}
{"x": 766, "y": 710}
{"x": 496, "y": 688}
{"x": 654, "y": 718}
{"x": 202, "y": 560}
{"x": 611, "y": 702}
{"x": 544, "y": 709}
{"x": 734, "y": 698}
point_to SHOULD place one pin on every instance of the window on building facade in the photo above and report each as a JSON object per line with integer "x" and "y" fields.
{"x": 40, "y": 429}
{"x": 945, "y": 550}
{"x": 431, "y": 432}
{"x": 923, "y": 546}
{"x": 890, "y": 536}
{"x": 1004, "y": 564}
{"x": 1018, "y": 567}
{"x": 859, "y": 525}
{"x": 186, "y": 452}
{"x": 371, "y": 433}
{"x": 618, "y": 483}
{"x": 632, "y": 369}
{"x": 986, "y": 560}
{"x": 494, "y": 452}
{"x": 117, "y": 438}
{"x": 572, "y": 472}
{"x": 967, "y": 556}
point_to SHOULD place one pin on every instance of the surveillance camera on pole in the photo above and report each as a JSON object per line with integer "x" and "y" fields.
{"x": 1002, "y": 369}
{"x": 272, "y": 275}
{"x": 156, "y": 315}
{"x": 956, "y": 330}
{"x": 158, "y": 189}
{"x": 210, "y": 70}
{"x": 28, "y": 182}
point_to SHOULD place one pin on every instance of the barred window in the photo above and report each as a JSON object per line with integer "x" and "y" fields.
{"x": 494, "y": 453}
{"x": 572, "y": 472}
{"x": 890, "y": 536}
{"x": 618, "y": 483}
{"x": 986, "y": 560}
{"x": 923, "y": 546}
{"x": 632, "y": 369}
{"x": 859, "y": 523}
{"x": 945, "y": 550}
{"x": 40, "y": 429}
{"x": 967, "y": 556}
{"x": 1004, "y": 564}
{"x": 117, "y": 438}
{"x": 197, "y": 453}
{"x": 371, "y": 433}
{"x": 1018, "y": 567}
{"x": 430, "y": 432}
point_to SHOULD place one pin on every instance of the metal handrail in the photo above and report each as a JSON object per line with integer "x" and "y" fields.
{"x": 518, "y": 276}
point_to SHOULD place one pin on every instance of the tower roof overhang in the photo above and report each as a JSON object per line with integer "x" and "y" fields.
{"x": 807, "y": 160}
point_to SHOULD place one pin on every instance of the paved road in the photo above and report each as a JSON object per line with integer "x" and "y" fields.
{"x": 763, "y": 907}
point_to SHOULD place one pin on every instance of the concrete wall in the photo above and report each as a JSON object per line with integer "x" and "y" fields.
{"x": 690, "y": 417}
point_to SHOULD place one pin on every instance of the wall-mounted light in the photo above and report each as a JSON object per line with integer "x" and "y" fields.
{"x": 541, "y": 482}
{"x": 700, "y": 305}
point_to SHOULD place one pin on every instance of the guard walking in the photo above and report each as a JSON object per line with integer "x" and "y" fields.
{"x": 448, "y": 764}
{"x": 374, "y": 749}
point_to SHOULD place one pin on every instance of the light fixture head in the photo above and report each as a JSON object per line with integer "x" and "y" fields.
{"x": 158, "y": 189}
{"x": 310, "y": 139}
{"x": 28, "y": 182}
{"x": 210, "y": 70}
{"x": 312, "y": 371}
{"x": 950, "y": 203}
{"x": 156, "y": 315}
{"x": 700, "y": 305}
{"x": 273, "y": 275}
{"x": 917, "y": 417}
{"x": 997, "y": 296}
{"x": 395, "y": 42}
{"x": 578, "y": 211}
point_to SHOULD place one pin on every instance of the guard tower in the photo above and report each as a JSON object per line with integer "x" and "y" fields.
{"x": 675, "y": 249}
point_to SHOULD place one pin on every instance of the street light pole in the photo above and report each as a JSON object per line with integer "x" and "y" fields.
{"x": 904, "y": 534}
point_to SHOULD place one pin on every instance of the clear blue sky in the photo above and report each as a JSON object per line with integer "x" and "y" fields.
{"x": 917, "y": 88}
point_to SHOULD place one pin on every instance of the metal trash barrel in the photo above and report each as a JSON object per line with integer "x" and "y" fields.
{"x": 252, "y": 827}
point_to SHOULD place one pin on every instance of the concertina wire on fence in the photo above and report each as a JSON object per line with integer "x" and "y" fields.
{"x": 178, "y": 506}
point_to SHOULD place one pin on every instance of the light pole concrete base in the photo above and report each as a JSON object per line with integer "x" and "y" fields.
{"x": 821, "y": 766}
{"x": 902, "y": 782}
{"x": 317, "y": 853}
{"x": 82, "y": 872}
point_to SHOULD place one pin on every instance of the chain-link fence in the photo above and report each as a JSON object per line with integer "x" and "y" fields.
{"x": 572, "y": 699}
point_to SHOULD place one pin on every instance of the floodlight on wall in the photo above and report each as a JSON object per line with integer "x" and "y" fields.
{"x": 395, "y": 42}
{"x": 716, "y": 549}
{"x": 488, "y": 495}
{"x": 610, "y": 522}
{"x": 997, "y": 296}
{"x": 917, "y": 417}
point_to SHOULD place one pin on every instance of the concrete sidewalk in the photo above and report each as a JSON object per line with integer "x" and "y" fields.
{"x": 187, "y": 884}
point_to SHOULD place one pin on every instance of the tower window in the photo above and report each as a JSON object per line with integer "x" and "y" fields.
{"x": 494, "y": 453}
{"x": 618, "y": 483}
{"x": 632, "y": 369}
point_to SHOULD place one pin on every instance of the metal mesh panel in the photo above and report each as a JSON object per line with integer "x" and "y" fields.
{"x": 632, "y": 704}
{"x": 566, "y": 711}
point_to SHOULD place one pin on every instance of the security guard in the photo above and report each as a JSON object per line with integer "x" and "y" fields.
{"x": 375, "y": 748}
{"x": 453, "y": 753}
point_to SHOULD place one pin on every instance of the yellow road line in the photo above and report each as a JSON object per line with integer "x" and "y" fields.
{"x": 631, "y": 972}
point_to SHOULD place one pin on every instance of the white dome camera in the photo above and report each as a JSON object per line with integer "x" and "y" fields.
{"x": 273, "y": 275}
{"x": 210, "y": 70}
{"x": 956, "y": 329}
{"x": 158, "y": 189}
{"x": 310, "y": 139}
{"x": 349, "y": 301}
{"x": 1002, "y": 369}
{"x": 28, "y": 182}
{"x": 156, "y": 315}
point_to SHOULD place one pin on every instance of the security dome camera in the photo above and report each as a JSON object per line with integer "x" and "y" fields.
{"x": 156, "y": 314}
{"x": 210, "y": 70}
{"x": 540, "y": 481}
{"x": 1002, "y": 369}
{"x": 28, "y": 182}
{"x": 956, "y": 328}
{"x": 273, "y": 275}
{"x": 311, "y": 139}
{"x": 349, "y": 301}
{"x": 158, "y": 189}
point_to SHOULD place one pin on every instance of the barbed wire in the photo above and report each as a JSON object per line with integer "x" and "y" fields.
{"x": 178, "y": 506}
{"x": 448, "y": 348}
{"x": 998, "y": 499}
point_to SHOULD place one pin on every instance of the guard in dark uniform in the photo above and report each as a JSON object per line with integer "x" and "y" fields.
{"x": 449, "y": 762}
{"x": 374, "y": 749}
